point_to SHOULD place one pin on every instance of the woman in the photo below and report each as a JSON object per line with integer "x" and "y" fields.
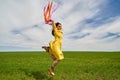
{"x": 55, "y": 46}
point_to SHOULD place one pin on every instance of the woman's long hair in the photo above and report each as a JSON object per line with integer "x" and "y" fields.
{"x": 56, "y": 26}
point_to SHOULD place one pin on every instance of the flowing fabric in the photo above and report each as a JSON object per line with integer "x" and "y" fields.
{"x": 48, "y": 11}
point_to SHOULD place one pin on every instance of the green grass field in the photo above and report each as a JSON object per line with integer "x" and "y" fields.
{"x": 75, "y": 66}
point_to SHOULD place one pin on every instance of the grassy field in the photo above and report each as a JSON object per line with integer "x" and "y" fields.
{"x": 75, "y": 66}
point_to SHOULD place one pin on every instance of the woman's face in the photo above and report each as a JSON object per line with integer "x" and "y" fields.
{"x": 59, "y": 27}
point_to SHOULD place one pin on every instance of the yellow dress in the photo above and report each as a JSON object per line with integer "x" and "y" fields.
{"x": 56, "y": 44}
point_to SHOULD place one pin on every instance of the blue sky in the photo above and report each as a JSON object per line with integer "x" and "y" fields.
{"x": 88, "y": 25}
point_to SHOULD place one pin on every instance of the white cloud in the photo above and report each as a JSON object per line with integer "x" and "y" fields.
{"x": 93, "y": 42}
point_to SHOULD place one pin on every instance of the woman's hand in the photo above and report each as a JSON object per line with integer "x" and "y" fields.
{"x": 51, "y": 21}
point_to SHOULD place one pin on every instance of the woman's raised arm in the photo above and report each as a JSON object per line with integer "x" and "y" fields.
{"x": 53, "y": 25}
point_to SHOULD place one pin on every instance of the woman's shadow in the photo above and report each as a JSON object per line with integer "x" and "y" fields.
{"x": 37, "y": 75}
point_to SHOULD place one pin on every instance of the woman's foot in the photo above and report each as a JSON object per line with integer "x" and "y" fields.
{"x": 51, "y": 71}
{"x": 46, "y": 48}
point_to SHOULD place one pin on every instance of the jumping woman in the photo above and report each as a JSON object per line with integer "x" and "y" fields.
{"x": 55, "y": 46}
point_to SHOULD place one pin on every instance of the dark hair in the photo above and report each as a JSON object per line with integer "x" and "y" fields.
{"x": 56, "y": 25}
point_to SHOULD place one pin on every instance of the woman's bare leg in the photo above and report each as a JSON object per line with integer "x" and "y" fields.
{"x": 55, "y": 61}
{"x": 46, "y": 48}
{"x": 51, "y": 69}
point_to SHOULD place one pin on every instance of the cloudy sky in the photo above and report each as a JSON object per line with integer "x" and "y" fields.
{"x": 88, "y": 25}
